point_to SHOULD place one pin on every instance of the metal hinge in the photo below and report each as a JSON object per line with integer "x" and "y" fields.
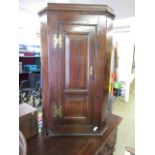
{"x": 91, "y": 70}
{"x": 58, "y": 110}
{"x": 57, "y": 41}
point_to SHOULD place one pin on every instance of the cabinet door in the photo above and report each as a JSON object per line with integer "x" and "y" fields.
{"x": 76, "y": 76}
{"x": 76, "y": 66}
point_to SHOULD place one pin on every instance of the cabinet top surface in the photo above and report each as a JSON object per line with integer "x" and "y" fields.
{"x": 72, "y": 145}
{"x": 78, "y": 7}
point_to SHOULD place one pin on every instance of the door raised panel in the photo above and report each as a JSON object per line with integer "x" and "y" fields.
{"x": 77, "y": 105}
{"x": 76, "y": 60}
{"x": 76, "y": 110}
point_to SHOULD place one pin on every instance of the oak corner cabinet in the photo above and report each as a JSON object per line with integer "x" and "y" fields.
{"x": 76, "y": 43}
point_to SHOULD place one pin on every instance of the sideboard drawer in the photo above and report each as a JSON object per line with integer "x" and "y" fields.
{"x": 109, "y": 147}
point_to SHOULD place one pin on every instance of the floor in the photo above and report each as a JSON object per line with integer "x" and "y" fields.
{"x": 126, "y": 130}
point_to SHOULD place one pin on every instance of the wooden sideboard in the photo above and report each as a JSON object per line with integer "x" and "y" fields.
{"x": 77, "y": 145}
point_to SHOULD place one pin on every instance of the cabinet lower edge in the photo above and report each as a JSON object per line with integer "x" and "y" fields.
{"x": 50, "y": 133}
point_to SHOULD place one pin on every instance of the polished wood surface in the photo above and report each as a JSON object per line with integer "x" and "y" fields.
{"x": 77, "y": 145}
{"x": 104, "y": 9}
{"x": 76, "y": 59}
{"x": 76, "y": 53}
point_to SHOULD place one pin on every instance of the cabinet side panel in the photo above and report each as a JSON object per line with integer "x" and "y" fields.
{"x": 109, "y": 48}
{"x": 44, "y": 69}
{"x": 53, "y": 74}
{"x": 100, "y": 63}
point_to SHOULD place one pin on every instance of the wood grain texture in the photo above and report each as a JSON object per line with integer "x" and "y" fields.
{"x": 75, "y": 72}
{"x": 104, "y": 9}
{"x": 81, "y": 145}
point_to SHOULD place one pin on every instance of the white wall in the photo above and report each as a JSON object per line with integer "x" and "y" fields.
{"x": 122, "y": 8}
{"x": 124, "y": 39}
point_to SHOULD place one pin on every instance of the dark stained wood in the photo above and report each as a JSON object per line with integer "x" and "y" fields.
{"x": 44, "y": 70}
{"x": 76, "y": 59}
{"x": 104, "y": 9}
{"x": 75, "y": 72}
{"x": 77, "y": 145}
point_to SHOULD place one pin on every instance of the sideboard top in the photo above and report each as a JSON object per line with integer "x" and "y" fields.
{"x": 78, "y": 7}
